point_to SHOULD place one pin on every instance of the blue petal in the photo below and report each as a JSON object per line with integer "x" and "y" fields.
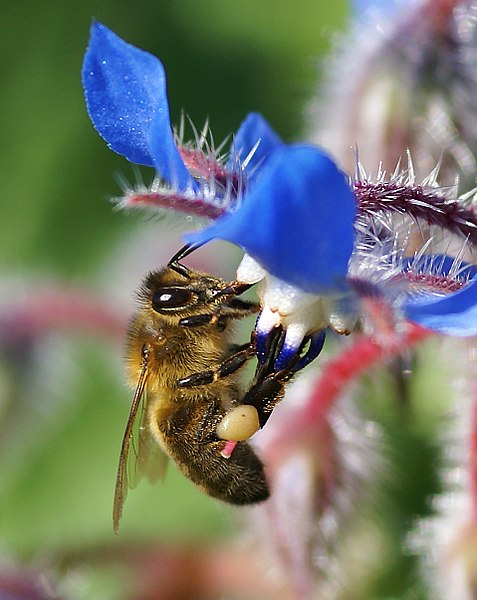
{"x": 125, "y": 91}
{"x": 451, "y": 315}
{"x": 454, "y": 314}
{"x": 296, "y": 221}
{"x": 254, "y": 129}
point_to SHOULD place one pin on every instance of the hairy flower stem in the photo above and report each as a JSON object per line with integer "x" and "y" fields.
{"x": 366, "y": 353}
{"x": 428, "y": 204}
{"x": 425, "y": 203}
{"x": 363, "y": 355}
{"x": 207, "y": 167}
{"x": 173, "y": 201}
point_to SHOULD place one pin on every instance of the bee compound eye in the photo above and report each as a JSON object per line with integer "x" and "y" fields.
{"x": 239, "y": 424}
{"x": 171, "y": 297}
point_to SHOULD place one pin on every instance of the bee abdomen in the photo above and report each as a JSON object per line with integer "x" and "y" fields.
{"x": 239, "y": 479}
{"x": 244, "y": 480}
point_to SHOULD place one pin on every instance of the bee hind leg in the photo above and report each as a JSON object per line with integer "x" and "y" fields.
{"x": 266, "y": 393}
{"x": 206, "y": 431}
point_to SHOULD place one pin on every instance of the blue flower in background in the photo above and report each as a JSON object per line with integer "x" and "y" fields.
{"x": 288, "y": 206}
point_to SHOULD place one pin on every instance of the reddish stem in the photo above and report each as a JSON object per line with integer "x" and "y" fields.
{"x": 432, "y": 282}
{"x": 60, "y": 310}
{"x": 174, "y": 201}
{"x": 426, "y": 203}
{"x": 207, "y": 166}
{"x": 336, "y": 375}
{"x": 352, "y": 362}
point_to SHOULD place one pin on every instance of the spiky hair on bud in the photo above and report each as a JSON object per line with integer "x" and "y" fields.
{"x": 218, "y": 173}
{"x": 414, "y": 233}
{"x": 427, "y": 201}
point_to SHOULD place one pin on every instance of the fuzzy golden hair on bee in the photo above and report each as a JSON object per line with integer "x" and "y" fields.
{"x": 185, "y": 371}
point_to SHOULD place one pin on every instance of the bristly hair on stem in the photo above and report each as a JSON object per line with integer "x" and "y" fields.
{"x": 168, "y": 200}
{"x": 220, "y": 176}
{"x": 426, "y": 202}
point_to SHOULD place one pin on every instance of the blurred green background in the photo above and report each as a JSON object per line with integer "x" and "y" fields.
{"x": 63, "y": 402}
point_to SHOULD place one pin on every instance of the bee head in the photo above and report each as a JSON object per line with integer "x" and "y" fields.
{"x": 169, "y": 292}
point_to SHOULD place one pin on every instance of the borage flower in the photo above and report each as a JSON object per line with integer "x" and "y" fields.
{"x": 126, "y": 97}
{"x": 324, "y": 248}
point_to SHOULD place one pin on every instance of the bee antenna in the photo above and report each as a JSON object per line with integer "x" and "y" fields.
{"x": 178, "y": 256}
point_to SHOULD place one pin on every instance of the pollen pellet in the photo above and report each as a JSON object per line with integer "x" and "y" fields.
{"x": 239, "y": 424}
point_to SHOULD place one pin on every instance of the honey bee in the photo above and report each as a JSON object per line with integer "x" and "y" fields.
{"x": 188, "y": 401}
{"x": 185, "y": 372}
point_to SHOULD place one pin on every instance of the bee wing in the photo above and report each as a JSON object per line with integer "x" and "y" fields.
{"x": 137, "y": 437}
{"x": 122, "y": 480}
{"x": 147, "y": 458}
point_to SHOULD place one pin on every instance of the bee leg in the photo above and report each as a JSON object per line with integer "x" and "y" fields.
{"x": 206, "y": 431}
{"x": 266, "y": 393}
{"x": 225, "y": 368}
{"x": 199, "y": 320}
{"x": 274, "y": 345}
{"x": 236, "y": 309}
{"x": 268, "y": 387}
{"x": 219, "y": 321}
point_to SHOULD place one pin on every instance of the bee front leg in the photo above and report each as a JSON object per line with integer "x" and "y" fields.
{"x": 200, "y": 320}
{"x": 234, "y": 309}
{"x": 271, "y": 376}
{"x": 225, "y": 368}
